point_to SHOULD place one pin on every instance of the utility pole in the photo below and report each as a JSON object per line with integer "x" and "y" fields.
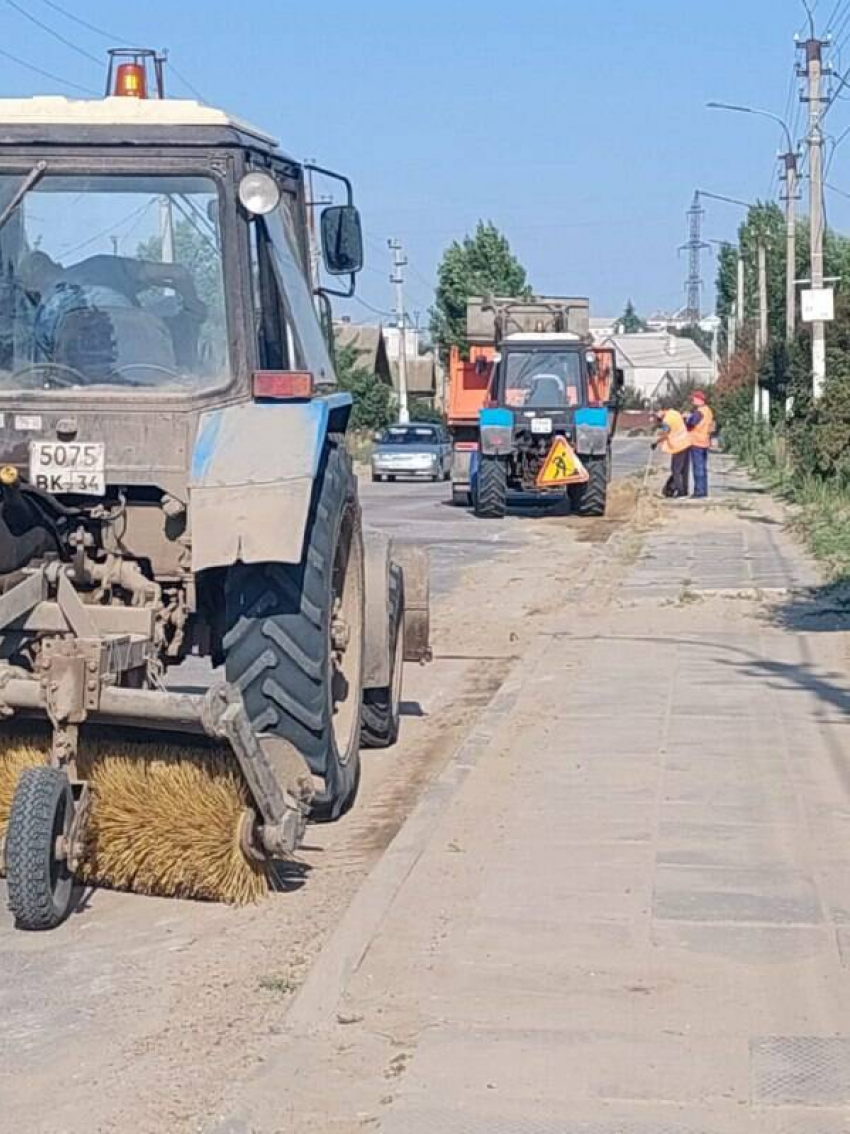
{"x": 761, "y": 402}
{"x": 739, "y": 296}
{"x": 762, "y": 267}
{"x": 731, "y": 335}
{"x": 790, "y": 162}
{"x": 166, "y": 231}
{"x": 814, "y": 73}
{"x": 397, "y": 278}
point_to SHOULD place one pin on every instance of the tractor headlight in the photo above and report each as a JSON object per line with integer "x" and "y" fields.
{"x": 259, "y": 193}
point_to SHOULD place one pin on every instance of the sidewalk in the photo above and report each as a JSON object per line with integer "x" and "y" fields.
{"x": 631, "y": 915}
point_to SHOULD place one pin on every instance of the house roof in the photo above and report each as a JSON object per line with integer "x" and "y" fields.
{"x": 659, "y": 352}
{"x": 421, "y": 374}
{"x": 368, "y": 341}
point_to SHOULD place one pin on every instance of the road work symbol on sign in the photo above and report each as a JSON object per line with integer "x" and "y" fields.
{"x": 561, "y": 466}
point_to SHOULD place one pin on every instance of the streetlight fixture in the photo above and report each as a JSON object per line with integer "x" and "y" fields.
{"x": 760, "y": 113}
{"x": 789, "y": 158}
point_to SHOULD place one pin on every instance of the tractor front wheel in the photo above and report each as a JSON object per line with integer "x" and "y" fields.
{"x": 294, "y": 640}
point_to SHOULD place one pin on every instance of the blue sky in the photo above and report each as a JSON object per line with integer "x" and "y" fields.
{"x": 580, "y": 129}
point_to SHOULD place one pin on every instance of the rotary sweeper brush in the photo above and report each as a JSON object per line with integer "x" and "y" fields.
{"x": 195, "y": 638}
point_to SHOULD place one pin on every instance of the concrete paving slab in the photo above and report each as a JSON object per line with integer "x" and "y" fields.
{"x": 634, "y": 915}
{"x": 769, "y": 895}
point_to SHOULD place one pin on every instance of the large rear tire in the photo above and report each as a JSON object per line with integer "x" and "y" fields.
{"x": 294, "y": 639}
{"x": 491, "y": 491}
{"x": 591, "y": 498}
{"x": 40, "y": 885}
{"x": 381, "y": 713}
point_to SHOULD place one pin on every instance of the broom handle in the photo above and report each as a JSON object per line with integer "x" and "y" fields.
{"x": 649, "y": 460}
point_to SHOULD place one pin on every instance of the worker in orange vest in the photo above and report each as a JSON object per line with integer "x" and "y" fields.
{"x": 700, "y": 423}
{"x": 673, "y": 438}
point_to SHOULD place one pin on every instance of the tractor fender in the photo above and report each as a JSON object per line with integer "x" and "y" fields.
{"x": 591, "y": 432}
{"x": 415, "y": 564}
{"x": 497, "y": 432}
{"x": 380, "y": 553}
{"x": 376, "y": 646}
{"x": 251, "y": 479}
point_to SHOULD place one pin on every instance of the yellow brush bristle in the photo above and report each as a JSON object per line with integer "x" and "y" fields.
{"x": 165, "y": 819}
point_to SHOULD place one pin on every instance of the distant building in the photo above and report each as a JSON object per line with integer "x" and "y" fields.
{"x": 654, "y": 362}
{"x": 370, "y": 345}
{"x": 602, "y": 328}
{"x": 378, "y": 350}
{"x": 679, "y": 320}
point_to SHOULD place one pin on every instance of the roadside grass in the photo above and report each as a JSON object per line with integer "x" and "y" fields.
{"x": 359, "y": 443}
{"x": 819, "y": 509}
{"x": 280, "y": 985}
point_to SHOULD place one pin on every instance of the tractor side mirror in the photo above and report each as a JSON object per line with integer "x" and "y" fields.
{"x": 619, "y": 379}
{"x": 342, "y": 240}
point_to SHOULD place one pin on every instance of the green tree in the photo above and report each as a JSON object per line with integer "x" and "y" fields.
{"x": 630, "y": 321}
{"x": 422, "y": 410}
{"x": 482, "y": 264}
{"x": 198, "y": 254}
{"x": 372, "y": 399}
{"x": 764, "y": 223}
{"x": 696, "y": 334}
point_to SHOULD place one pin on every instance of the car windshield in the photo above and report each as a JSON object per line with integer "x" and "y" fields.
{"x": 410, "y": 435}
{"x": 546, "y": 378}
{"x": 111, "y": 281}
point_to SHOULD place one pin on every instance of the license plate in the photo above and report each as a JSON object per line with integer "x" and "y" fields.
{"x": 541, "y": 425}
{"x": 69, "y": 466}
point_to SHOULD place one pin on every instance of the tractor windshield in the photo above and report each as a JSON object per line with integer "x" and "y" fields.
{"x": 111, "y": 280}
{"x": 549, "y": 379}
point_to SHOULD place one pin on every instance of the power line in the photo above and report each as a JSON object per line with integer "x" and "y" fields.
{"x": 116, "y": 39}
{"x": 66, "y": 251}
{"x": 833, "y": 14}
{"x": 84, "y": 23}
{"x": 186, "y": 83}
{"x": 46, "y": 74}
{"x": 369, "y": 307}
{"x": 839, "y": 31}
{"x": 56, "y": 35}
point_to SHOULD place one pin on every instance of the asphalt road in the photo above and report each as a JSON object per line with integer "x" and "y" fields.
{"x": 422, "y": 512}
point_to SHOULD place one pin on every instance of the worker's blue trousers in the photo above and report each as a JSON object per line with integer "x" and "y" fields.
{"x": 699, "y": 464}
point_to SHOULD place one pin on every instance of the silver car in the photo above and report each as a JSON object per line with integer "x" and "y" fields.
{"x": 420, "y": 449}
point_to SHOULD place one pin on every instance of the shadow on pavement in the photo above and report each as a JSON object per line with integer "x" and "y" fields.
{"x": 817, "y": 610}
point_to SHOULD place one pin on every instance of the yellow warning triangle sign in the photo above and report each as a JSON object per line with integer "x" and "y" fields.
{"x": 561, "y": 466}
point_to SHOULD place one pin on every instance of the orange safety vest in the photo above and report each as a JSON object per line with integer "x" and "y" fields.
{"x": 701, "y": 434}
{"x": 677, "y": 438}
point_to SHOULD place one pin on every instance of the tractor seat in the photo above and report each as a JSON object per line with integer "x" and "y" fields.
{"x": 546, "y": 390}
{"x": 97, "y": 341}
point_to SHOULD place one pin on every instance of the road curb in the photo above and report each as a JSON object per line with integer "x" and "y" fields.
{"x": 315, "y": 1005}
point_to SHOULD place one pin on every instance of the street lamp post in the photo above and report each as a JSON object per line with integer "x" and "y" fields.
{"x": 789, "y": 160}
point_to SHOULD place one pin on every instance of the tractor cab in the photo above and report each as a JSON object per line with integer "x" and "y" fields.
{"x": 547, "y": 424}
{"x": 541, "y": 379}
